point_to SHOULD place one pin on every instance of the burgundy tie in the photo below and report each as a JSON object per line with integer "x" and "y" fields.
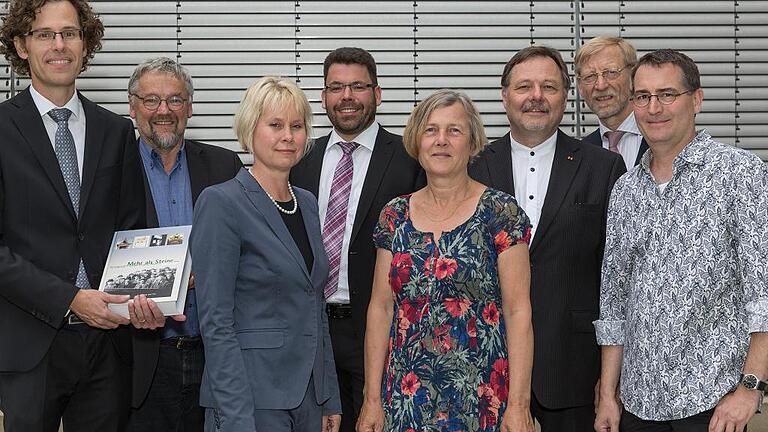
{"x": 613, "y": 140}
{"x": 336, "y": 215}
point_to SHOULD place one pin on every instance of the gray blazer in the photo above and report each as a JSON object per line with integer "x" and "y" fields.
{"x": 262, "y": 313}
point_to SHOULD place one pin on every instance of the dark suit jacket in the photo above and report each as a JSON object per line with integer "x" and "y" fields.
{"x": 208, "y": 165}
{"x": 391, "y": 173}
{"x": 41, "y": 239}
{"x": 262, "y": 312}
{"x": 566, "y": 258}
{"x": 595, "y": 139}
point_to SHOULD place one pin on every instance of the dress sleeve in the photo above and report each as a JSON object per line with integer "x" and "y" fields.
{"x": 384, "y": 230}
{"x": 511, "y": 225}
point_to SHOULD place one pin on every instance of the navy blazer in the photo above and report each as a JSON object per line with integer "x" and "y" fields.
{"x": 262, "y": 312}
{"x": 595, "y": 139}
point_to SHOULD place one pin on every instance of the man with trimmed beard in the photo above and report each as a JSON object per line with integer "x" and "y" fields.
{"x": 354, "y": 171}
{"x": 168, "y": 356}
{"x": 603, "y": 68}
{"x": 563, "y": 186}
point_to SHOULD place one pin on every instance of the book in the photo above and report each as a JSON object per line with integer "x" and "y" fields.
{"x": 154, "y": 262}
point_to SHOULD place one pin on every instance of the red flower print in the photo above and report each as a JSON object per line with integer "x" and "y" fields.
{"x": 410, "y": 384}
{"x": 441, "y": 339}
{"x": 500, "y": 378}
{"x": 472, "y": 332}
{"x": 400, "y": 271}
{"x": 503, "y": 241}
{"x": 488, "y": 406}
{"x": 526, "y": 238}
{"x": 456, "y": 306}
{"x": 445, "y": 267}
{"x": 491, "y": 314}
{"x": 389, "y": 216}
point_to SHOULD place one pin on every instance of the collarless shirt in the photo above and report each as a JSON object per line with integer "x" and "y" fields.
{"x": 684, "y": 278}
{"x": 76, "y": 122}
{"x": 361, "y": 158}
{"x": 531, "y": 168}
{"x": 629, "y": 144}
{"x": 172, "y": 196}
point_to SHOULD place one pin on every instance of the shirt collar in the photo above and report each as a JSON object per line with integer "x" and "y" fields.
{"x": 366, "y": 138}
{"x": 544, "y": 148}
{"x": 695, "y": 152}
{"x": 629, "y": 125}
{"x": 149, "y": 155}
{"x": 44, "y": 105}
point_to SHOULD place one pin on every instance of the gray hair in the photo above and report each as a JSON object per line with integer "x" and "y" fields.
{"x": 161, "y": 64}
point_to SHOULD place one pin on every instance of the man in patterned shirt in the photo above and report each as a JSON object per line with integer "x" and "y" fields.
{"x": 684, "y": 301}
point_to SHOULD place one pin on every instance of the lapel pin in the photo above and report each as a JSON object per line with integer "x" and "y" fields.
{"x": 569, "y": 157}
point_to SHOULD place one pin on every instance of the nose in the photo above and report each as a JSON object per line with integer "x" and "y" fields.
{"x": 163, "y": 108}
{"x": 346, "y": 92}
{"x": 536, "y": 92}
{"x": 601, "y": 82}
{"x": 58, "y": 41}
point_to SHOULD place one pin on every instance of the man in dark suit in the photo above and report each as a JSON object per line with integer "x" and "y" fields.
{"x": 69, "y": 177}
{"x": 603, "y": 68}
{"x": 380, "y": 170}
{"x": 563, "y": 186}
{"x": 168, "y": 356}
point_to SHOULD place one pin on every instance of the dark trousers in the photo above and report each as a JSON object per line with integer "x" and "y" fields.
{"x": 695, "y": 423}
{"x": 81, "y": 381}
{"x": 574, "y": 419}
{"x": 348, "y": 354}
{"x": 172, "y": 404}
{"x": 307, "y": 417}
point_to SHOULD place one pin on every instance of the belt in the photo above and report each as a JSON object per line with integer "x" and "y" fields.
{"x": 73, "y": 319}
{"x": 338, "y": 310}
{"x": 182, "y": 342}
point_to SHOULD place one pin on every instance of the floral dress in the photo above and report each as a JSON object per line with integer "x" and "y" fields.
{"x": 447, "y": 366}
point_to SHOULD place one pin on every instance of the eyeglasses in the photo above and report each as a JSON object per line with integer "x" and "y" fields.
{"x": 608, "y": 75}
{"x": 664, "y": 98}
{"x": 356, "y": 87}
{"x": 152, "y": 102}
{"x": 68, "y": 35}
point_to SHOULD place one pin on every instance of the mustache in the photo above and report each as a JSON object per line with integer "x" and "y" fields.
{"x": 346, "y": 105}
{"x": 536, "y": 105}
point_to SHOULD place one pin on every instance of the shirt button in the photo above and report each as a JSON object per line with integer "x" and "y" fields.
{"x": 173, "y": 201}
{"x": 533, "y": 153}
{"x": 530, "y": 196}
{"x": 533, "y": 169}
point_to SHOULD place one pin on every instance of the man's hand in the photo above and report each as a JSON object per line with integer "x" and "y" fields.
{"x": 331, "y": 423}
{"x": 608, "y": 414}
{"x": 90, "y": 305}
{"x": 734, "y": 411}
{"x": 145, "y": 314}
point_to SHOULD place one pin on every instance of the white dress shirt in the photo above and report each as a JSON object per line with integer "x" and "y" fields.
{"x": 629, "y": 144}
{"x": 361, "y": 157}
{"x": 76, "y": 122}
{"x": 531, "y": 167}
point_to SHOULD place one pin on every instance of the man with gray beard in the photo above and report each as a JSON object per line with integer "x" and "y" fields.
{"x": 168, "y": 357}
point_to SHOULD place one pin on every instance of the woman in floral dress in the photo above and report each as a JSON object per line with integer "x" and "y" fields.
{"x": 449, "y": 343}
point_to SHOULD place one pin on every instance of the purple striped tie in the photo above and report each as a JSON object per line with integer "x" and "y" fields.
{"x": 336, "y": 215}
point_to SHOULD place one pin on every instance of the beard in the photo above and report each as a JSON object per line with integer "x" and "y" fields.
{"x": 164, "y": 141}
{"x": 351, "y": 125}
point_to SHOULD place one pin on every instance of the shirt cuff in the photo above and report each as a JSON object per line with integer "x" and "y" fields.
{"x": 757, "y": 316}
{"x": 609, "y": 332}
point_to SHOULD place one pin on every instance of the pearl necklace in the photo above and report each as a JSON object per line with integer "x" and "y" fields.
{"x": 280, "y": 209}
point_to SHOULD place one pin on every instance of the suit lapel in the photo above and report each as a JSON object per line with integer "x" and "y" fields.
{"x": 266, "y": 207}
{"x": 382, "y": 154}
{"x": 31, "y": 127}
{"x": 641, "y": 152}
{"x": 500, "y": 166}
{"x": 309, "y": 171}
{"x": 315, "y": 238}
{"x": 564, "y": 167}
{"x": 198, "y": 173}
{"x": 94, "y": 140}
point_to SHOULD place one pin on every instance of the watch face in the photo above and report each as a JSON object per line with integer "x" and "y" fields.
{"x": 749, "y": 381}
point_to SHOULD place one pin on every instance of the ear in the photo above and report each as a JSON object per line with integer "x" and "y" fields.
{"x": 322, "y": 98}
{"x": 189, "y": 111}
{"x": 377, "y": 95}
{"x": 21, "y": 47}
{"x": 131, "y": 111}
{"x": 698, "y": 99}
{"x": 504, "y": 95}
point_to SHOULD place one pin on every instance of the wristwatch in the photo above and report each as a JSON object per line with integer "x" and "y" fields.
{"x": 752, "y": 382}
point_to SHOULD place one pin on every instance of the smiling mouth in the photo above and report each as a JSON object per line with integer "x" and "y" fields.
{"x": 59, "y": 61}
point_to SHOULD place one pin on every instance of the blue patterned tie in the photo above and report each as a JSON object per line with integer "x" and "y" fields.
{"x": 67, "y": 156}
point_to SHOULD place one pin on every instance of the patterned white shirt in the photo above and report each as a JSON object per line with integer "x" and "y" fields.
{"x": 684, "y": 278}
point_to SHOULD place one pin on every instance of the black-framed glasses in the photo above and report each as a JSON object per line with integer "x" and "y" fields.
{"x": 152, "y": 102}
{"x": 608, "y": 75}
{"x": 356, "y": 87}
{"x": 664, "y": 98}
{"x": 68, "y": 35}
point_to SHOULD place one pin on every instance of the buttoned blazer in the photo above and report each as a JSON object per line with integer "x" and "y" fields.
{"x": 566, "y": 258}
{"x": 595, "y": 139}
{"x": 391, "y": 173}
{"x": 208, "y": 165}
{"x": 41, "y": 238}
{"x": 262, "y": 312}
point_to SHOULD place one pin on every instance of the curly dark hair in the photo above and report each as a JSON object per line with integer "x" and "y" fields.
{"x": 18, "y": 21}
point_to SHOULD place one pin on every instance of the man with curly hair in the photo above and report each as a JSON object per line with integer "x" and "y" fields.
{"x": 69, "y": 177}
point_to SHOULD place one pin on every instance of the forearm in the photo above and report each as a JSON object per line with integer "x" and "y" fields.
{"x": 520, "y": 348}
{"x": 376, "y": 346}
{"x": 757, "y": 356}
{"x": 610, "y": 372}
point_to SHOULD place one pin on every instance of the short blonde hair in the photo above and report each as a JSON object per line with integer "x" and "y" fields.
{"x": 417, "y": 122}
{"x": 594, "y": 45}
{"x": 275, "y": 94}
